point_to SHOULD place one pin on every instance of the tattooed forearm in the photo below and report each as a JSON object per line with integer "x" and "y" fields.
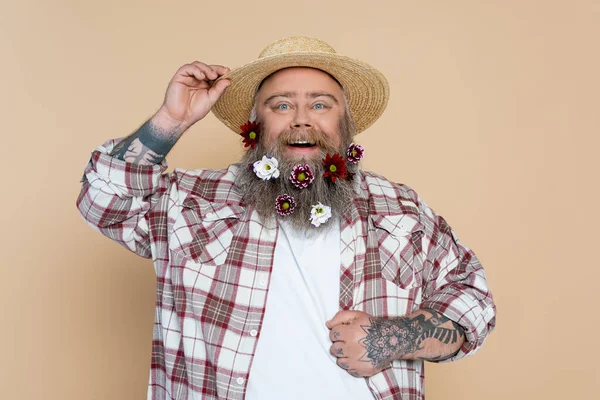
{"x": 148, "y": 145}
{"x": 426, "y": 335}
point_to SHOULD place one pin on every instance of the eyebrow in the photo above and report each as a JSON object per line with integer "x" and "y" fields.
{"x": 310, "y": 95}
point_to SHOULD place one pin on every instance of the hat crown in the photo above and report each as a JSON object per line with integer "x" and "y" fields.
{"x": 295, "y": 44}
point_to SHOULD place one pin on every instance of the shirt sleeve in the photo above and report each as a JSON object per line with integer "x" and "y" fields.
{"x": 456, "y": 286}
{"x": 116, "y": 197}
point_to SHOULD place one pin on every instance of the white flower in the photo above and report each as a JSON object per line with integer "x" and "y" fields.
{"x": 266, "y": 168}
{"x": 319, "y": 214}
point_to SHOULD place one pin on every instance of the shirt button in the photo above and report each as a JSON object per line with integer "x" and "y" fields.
{"x": 253, "y": 332}
{"x": 240, "y": 381}
{"x": 263, "y": 283}
{"x": 210, "y": 215}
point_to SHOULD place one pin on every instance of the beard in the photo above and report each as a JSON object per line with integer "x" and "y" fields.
{"x": 262, "y": 194}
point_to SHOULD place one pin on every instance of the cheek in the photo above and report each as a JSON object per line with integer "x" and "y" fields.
{"x": 332, "y": 130}
{"x": 269, "y": 138}
{"x": 271, "y": 134}
{"x": 336, "y": 138}
{"x": 271, "y": 127}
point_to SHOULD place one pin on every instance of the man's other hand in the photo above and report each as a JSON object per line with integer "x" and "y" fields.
{"x": 349, "y": 332}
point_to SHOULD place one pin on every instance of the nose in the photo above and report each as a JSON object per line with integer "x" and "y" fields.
{"x": 301, "y": 119}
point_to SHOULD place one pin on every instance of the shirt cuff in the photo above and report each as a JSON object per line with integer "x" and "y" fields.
{"x": 477, "y": 319}
{"x": 124, "y": 179}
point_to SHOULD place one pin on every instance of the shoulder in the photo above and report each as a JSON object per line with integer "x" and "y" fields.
{"x": 391, "y": 200}
{"x": 387, "y": 196}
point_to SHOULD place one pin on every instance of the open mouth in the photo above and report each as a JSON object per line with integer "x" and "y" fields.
{"x": 302, "y": 144}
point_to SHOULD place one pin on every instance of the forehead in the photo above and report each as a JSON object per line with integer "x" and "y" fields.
{"x": 300, "y": 80}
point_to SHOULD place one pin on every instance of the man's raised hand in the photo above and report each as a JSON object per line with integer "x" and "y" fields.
{"x": 191, "y": 94}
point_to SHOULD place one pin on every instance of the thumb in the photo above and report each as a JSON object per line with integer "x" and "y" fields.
{"x": 344, "y": 316}
{"x": 217, "y": 90}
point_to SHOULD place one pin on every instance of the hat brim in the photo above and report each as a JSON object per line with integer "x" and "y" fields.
{"x": 366, "y": 88}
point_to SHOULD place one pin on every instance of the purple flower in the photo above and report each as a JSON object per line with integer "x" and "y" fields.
{"x": 285, "y": 204}
{"x": 301, "y": 176}
{"x": 355, "y": 153}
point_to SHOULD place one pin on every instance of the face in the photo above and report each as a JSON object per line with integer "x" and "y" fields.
{"x": 301, "y": 107}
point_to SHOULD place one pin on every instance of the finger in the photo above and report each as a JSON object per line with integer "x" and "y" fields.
{"x": 343, "y": 363}
{"x": 342, "y": 317}
{"x": 217, "y": 90}
{"x": 337, "y": 350}
{"x": 208, "y": 71}
{"x": 337, "y": 334}
{"x": 189, "y": 74}
{"x": 219, "y": 69}
{"x": 196, "y": 73}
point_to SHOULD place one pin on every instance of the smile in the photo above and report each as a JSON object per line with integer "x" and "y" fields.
{"x": 302, "y": 144}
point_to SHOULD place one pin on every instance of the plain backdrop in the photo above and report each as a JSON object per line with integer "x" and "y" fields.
{"x": 493, "y": 119}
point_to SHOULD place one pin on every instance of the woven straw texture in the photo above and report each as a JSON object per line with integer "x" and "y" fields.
{"x": 366, "y": 88}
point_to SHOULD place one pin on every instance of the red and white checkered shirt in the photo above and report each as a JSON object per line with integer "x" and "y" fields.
{"x": 213, "y": 257}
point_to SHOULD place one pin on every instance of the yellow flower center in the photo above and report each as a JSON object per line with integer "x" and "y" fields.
{"x": 252, "y": 135}
{"x": 319, "y": 210}
{"x": 267, "y": 167}
{"x": 301, "y": 176}
{"x": 332, "y": 168}
{"x": 286, "y": 206}
{"x": 353, "y": 153}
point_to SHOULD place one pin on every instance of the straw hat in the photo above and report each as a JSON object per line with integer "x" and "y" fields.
{"x": 366, "y": 88}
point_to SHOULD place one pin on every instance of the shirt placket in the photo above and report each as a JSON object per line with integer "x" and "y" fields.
{"x": 264, "y": 235}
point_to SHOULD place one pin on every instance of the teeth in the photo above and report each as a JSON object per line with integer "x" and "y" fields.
{"x": 302, "y": 142}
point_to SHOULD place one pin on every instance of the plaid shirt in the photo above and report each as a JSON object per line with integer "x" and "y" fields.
{"x": 213, "y": 257}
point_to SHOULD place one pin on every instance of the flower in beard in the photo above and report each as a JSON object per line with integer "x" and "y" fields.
{"x": 266, "y": 168}
{"x": 250, "y": 131}
{"x": 301, "y": 176}
{"x": 319, "y": 214}
{"x": 335, "y": 167}
{"x": 285, "y": 204}
{"x": 355, "y": 153}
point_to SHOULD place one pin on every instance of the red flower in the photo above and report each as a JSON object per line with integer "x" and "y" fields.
{"x": 250, "y": 132}
{"x": 301, "y": 176}
{"x": 355, "y": 153}
{"x": 335, "y": 167}
{"x": 285, "y": 204}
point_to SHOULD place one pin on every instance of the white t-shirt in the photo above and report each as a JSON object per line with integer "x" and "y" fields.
{"x": 292, "y": 359}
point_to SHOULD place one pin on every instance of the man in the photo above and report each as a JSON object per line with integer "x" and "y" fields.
{"x": 292, "y": 274}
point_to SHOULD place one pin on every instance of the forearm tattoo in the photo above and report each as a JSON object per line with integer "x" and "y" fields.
{"x": 390, "y": 339}
{"x": 147, "y": 146}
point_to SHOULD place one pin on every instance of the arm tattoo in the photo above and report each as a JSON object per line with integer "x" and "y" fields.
{"x": 389, "y": 339}
{"x": 147, "y": 146}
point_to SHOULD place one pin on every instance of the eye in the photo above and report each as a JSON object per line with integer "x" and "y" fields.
{"x": 319, "y": 106}
{"x": 283, "y": 107}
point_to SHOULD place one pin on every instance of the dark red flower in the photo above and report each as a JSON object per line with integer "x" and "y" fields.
{"x": 355, "y": 153}
{"x": 335, "y": 167}
{"x": 301, "y": 176}
{"x": 285, "y": 204}
{"x": 250, "y": 132}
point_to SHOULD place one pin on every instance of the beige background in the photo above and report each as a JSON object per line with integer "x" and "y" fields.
{"x": 493, "y": 119}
